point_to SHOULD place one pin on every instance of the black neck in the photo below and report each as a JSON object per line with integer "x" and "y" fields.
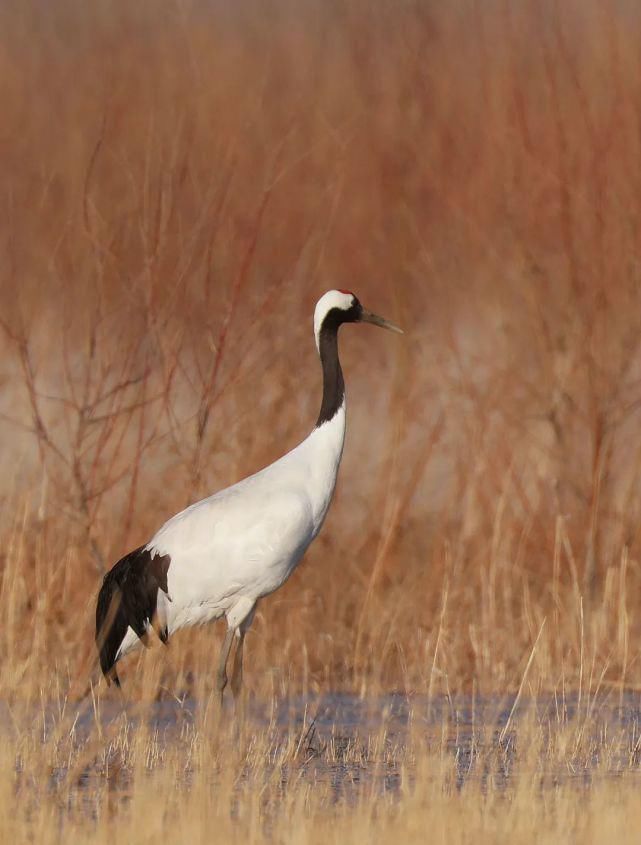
{"x": 333, "y": 384}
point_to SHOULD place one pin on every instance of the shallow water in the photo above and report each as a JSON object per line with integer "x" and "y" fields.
{"x": 346, "y": 740}
{"x": 351, "y": 744}
{"x": 483, "y": 737}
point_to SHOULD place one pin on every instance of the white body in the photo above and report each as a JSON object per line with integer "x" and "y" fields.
{"x": 232, "y": 548}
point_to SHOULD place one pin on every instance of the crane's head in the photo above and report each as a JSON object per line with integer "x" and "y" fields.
{"x": 341, "y": 306}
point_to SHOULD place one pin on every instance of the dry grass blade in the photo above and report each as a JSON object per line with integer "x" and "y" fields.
{"x": 179, "y": 189}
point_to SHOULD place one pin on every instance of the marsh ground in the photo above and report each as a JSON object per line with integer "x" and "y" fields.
{"x": 179, "y": 185}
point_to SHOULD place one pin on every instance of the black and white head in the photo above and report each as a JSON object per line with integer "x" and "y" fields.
{"x": 332, "y": 310}
{"x": 341, "y": 306}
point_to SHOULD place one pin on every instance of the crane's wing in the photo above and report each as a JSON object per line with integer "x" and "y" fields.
{"x": 245, "y": 541}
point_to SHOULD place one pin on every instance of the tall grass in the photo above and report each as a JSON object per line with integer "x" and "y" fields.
{"x": 180, "y": 183}
{"x": 553, "y": 781}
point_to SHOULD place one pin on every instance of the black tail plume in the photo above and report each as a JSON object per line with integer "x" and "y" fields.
{"x": 128, "y": 599}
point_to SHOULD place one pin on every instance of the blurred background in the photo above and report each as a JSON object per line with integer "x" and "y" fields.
{"x": 180, "y": 183}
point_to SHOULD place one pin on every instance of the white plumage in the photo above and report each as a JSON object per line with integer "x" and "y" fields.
{"x": 221, "y": 555}
{"x": 260, "y": 527}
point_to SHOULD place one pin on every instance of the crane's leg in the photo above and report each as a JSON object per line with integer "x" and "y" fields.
{"x": 221, "y": 677}
{"x": 237, "y": 671}
{"x": 247, "y": 609}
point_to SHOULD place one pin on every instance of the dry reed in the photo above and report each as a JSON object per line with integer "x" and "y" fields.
{"x": 180, "y": 183}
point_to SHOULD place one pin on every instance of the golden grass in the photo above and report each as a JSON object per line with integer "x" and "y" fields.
{"x": 553, "y": 781}
{"x": 180, "y": 183}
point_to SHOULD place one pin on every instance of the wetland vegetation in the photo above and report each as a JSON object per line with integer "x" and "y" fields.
{"x": 457, "y": 658}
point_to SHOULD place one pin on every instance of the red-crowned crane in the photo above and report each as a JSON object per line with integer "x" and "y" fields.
{"x": 220, "y": 556}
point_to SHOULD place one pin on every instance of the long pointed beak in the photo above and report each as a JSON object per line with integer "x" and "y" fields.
{"x": 375, "y": 320}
